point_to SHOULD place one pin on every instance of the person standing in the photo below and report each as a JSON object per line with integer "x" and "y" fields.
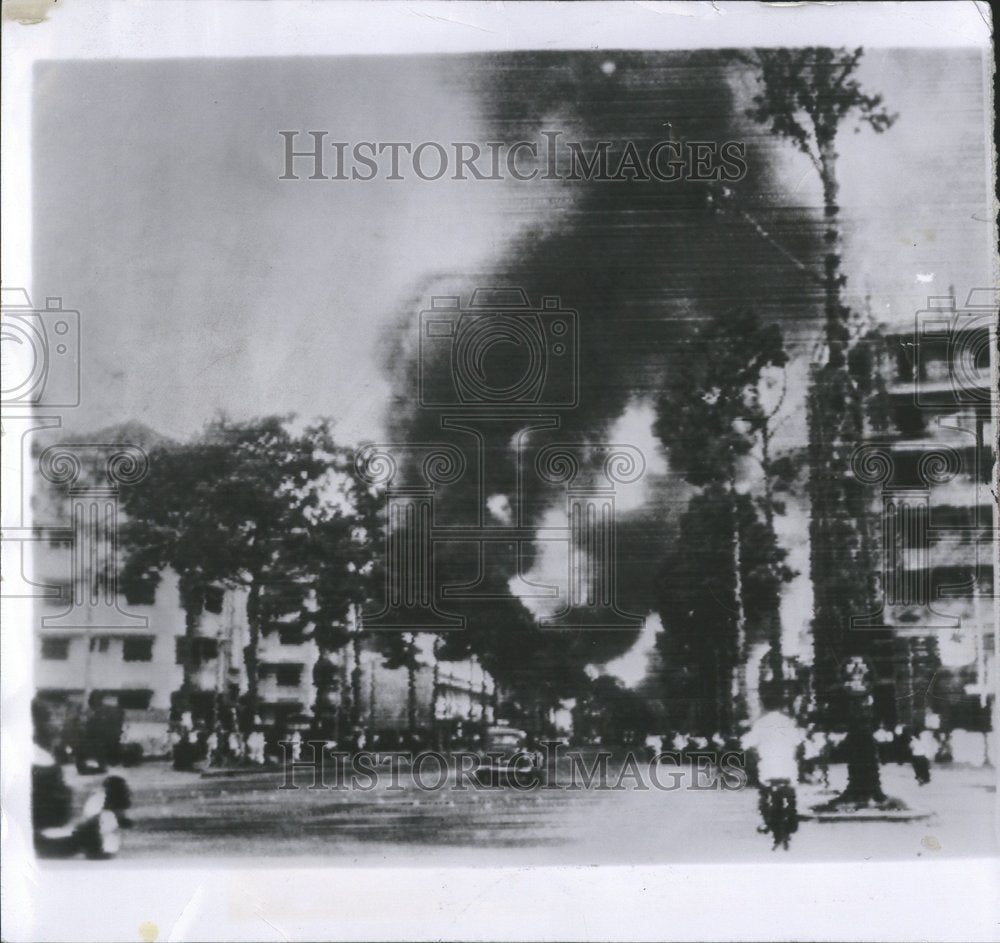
{"x": 235, "y": 745}
{"x": 920, "y": 760}
{"x": 213, "y": 756}
{"x": 814, "y": 749}
{"x": 900, "y": 745}
{"x": 884, "y": 737}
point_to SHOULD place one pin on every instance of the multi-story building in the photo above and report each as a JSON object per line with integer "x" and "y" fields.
{"x": 93, "y": 645}
{"x": 139, "y": 669}
{"x": 939, "y": 518}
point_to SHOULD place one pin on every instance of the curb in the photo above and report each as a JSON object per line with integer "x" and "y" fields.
{"x": 867, "y": 815}
{"x": 238, "y": 771}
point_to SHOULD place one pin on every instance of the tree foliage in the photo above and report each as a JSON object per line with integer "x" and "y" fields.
{"x": 697, "y": 589}
{"x": 710, "y": 412}
{"x": 808, "y": 92}
{"x": 246, "y": 506}
{"x": 710, "y": 417}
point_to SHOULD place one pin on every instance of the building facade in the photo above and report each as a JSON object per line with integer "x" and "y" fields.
{"x": 94, "y": 646}
{"x": 938, "y": 518}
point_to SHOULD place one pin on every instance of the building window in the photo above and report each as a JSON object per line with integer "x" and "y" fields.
{"x": 203, "y": 649}
{"x": 937, "y": 371}
{"x": 100, "y": 643}
{"x": 214, "y": 598}
{"x": 135, "y": 700}
{"x": 55, "y": 649}
{"x": 293, "y": 634}
{"x": 287, "y": 676}
{"x": 138, "y": 649}
{"x": 206, "y": 649}
{"x": 141, "y": 592}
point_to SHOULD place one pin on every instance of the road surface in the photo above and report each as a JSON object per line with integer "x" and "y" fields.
{"x": 183, "y": 816}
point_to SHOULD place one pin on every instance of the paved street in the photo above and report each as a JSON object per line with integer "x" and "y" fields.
{"x": 180, "y": 816}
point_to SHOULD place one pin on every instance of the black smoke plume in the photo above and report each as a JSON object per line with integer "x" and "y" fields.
{"x": 638, "y": 260}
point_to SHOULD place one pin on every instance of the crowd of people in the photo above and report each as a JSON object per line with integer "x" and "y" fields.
{"x": 816, "y": 749}
{"x": 194, "y": 743}
{"x": 94, "y": 741}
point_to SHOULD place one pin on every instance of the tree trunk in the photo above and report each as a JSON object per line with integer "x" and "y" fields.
{"x": 411, "y": 685}
{"x": 739, "y": 671}
{"x": 436, "y": 696}
{"x": 842, "y": 558}
{"x": 836, "y": 314}
{"x": 345, "y": 707}
{"x": 721, "y": 717}
{"x": 774, "y": 621}
{"x": 251, "y": 654}
{"x": 192, "y": 620}
{"x": 325, "y": 683}
{"x": 864, "y": 781}
{"x": 192, "y": 601}
{"x": 356, "y": 682}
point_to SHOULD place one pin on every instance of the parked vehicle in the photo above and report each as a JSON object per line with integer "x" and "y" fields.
{"x": 506, "y": 760}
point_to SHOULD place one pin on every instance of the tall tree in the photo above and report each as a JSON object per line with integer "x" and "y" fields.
{"x": 699, "y": 642}
{"x": 710, "y": 418}
{"x": 235, "y": 508}
{"x": 400, "y": 650}
{"x": 169, "y": 526}
{"x": 346, "y": 545}
{"x": 806, "y": 96}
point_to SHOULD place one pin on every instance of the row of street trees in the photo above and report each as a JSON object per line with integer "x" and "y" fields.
{"x": 253, "y": 507}
{"x": 710, "y": 418}
{"x": 285, "y": 521}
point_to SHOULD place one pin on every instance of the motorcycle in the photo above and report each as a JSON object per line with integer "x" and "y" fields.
{"x": 777, "y": 806}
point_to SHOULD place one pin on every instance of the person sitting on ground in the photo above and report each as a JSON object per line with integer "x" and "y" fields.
{"x": 51, "y": 798}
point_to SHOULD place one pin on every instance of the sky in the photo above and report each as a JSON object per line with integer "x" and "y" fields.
{"x": 205, "y": 283}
